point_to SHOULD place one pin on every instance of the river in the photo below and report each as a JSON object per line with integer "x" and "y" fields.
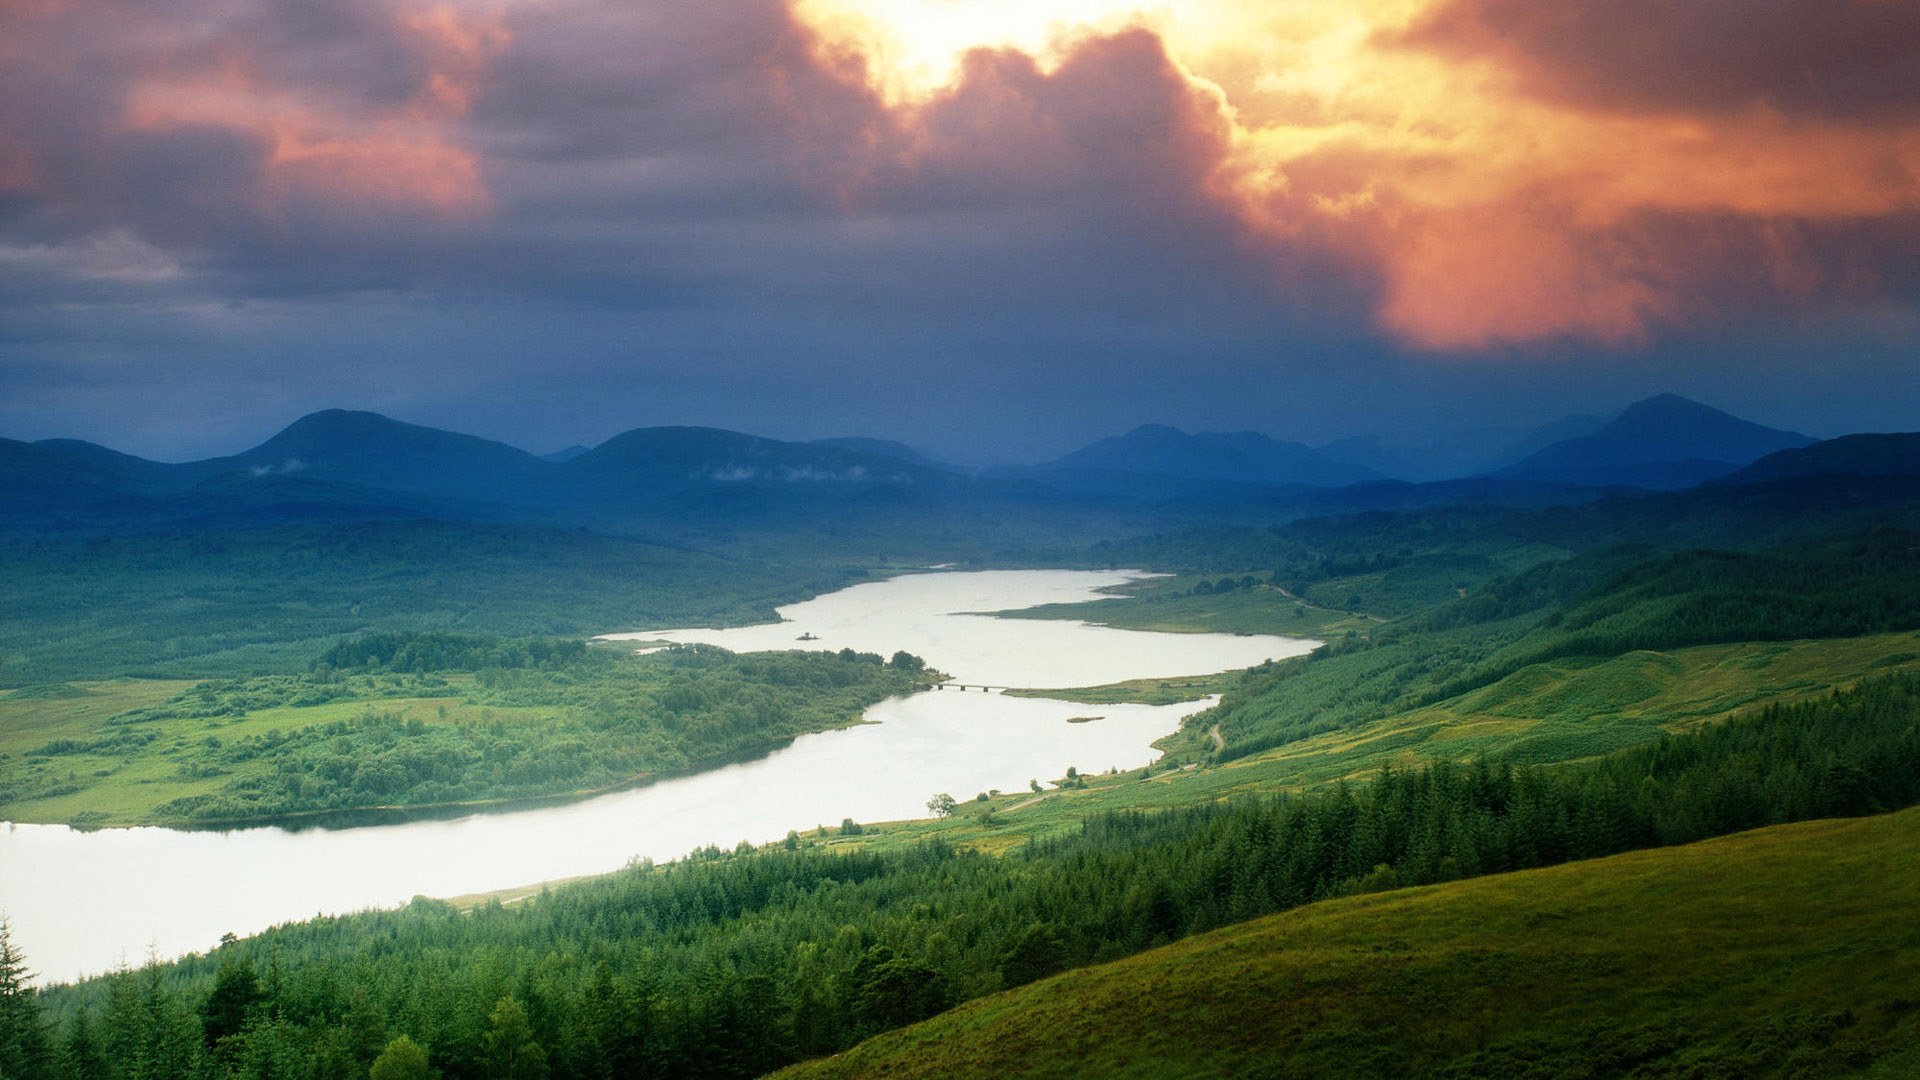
{"x": 81, "y": 902}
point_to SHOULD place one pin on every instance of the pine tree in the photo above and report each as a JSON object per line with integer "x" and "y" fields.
{"x": 26, "y": 1050}
{"x": 81, "y": 1056}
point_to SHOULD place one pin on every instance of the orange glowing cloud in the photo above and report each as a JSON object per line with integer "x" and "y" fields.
{"x": 326, "y": 150}
{"x": 1491, "y": 206}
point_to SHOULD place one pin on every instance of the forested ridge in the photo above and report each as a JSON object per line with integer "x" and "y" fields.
{"x": 243, "y": 601}
{"x": 1600, "y": 604}
{"x": 732, "y": 963}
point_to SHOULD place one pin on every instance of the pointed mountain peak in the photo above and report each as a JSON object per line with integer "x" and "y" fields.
{"x": 1671, "y": 406}
{"x": 354, "y": 423}
{"x": 1665, "y": 441}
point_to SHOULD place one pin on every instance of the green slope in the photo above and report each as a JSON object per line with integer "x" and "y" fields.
{"x": 1785, "y": 951}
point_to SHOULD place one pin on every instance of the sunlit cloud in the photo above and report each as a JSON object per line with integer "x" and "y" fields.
{"x": 1148, "y": 197}
{"x": 1495, "y": 210}
{"x": 324, "y": 147}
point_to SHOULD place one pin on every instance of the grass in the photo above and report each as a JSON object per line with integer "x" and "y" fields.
{"x": 1571, "y": 709}
{"x": 1791, "y": 951}
{"x": 1559, "y": 711}
{"x": 125, "y": 788}
{"x": 1170, "y": 605}
{"x": 1141, "y": 691}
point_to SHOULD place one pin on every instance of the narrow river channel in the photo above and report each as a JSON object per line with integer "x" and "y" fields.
{"x": 81, "y": 902}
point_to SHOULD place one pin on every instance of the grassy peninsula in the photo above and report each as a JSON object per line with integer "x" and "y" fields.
{"x": 414, "y": 720}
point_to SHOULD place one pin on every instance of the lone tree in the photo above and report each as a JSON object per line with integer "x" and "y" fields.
{"x": 403, "y": 1059}
{"x": 942, "y": 805}
{"x": 509, "y": 1048}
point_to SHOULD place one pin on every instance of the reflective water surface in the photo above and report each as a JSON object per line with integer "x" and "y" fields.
{"x": 80, "y": 902}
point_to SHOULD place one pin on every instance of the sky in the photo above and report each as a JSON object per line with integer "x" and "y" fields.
{"x": 995, "y": 229}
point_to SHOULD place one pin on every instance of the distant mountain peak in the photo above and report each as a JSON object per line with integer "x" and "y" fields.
{"x": 372, "y": 450}
{"x": 1671, "y": 404}
{"x": 1240, "y": 457}
{"x": 561, "y": 457}
{"x": 661, "y": 458}
{"x": 1665, "y": 441}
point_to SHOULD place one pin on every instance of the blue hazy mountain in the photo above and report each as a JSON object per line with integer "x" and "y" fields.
{"x": 1849, "y": 455}
{"x": 660, "y": 459}
{"x": 367, "y": 450}
{"x": 1454, "y": 455}
{"x": 884, "y": 448}
{"x": 1666, "y": 442}
{"x": 1577, "y": 426}
{"x": 1209, "y": 458}
{"x": 42, "y": 478}
{"x": 337, "y": 465}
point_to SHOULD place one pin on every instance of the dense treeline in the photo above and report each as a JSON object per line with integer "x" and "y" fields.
{"x": 1384, "y": 564}
{"x": 1601, "y": 604}
{"x": 1867, "y": 583}
{"x": 729, "y": 964}
{"x": 415, "y": 652}
{"x": 1862, "y": 584}
{"x": 248, "y": 601}
{"x": 529, "y": 718}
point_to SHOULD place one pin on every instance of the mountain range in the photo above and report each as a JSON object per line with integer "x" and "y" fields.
{"x": 341, "y": 462}
{"x": 1243, "y": 457}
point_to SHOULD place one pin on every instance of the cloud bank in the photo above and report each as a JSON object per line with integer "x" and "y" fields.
{"x": 1448, "y": 179}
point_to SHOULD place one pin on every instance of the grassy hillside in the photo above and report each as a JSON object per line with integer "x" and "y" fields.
{"x": 1565, "y": 710}
{"x": 1597, "y": 606}
{"x": 1791, "y": 951}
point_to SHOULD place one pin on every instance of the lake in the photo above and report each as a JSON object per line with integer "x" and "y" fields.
{"x": 80, "y": 902}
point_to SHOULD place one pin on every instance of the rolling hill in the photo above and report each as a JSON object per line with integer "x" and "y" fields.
{"x": 1793, "y": 951}
{"x": 1849, "y": 455}
{"x": 327, "y": 463}
{"x": 369, "y": 450}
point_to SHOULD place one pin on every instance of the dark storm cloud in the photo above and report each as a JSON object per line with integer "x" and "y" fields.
{"x": 1851, "y": 59}
{"x": 594, "y": 152}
